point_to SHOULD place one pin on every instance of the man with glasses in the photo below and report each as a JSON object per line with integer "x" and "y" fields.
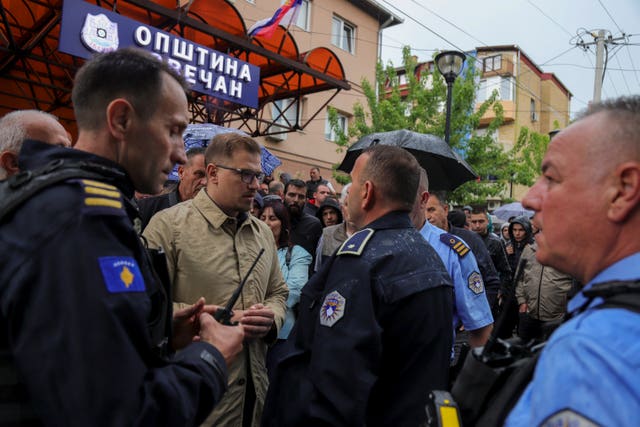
{"x": 211, "y": 242}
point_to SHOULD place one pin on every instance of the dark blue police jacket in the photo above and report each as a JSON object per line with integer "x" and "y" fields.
{"x": 77, "y": 303}
{"x": 373, "y": 334}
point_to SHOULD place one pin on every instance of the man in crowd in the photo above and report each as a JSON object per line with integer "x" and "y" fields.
{"x": 471, "y": 308}
{"x": 374, "y": 330}
{"x": 83, "y": 318}
{"x": 305, "y": 229}
{"x": 587, "y": 372}
{"x": 520, "y": 235}
{"x": 329, "y": 213}
{"x": 19, "y": 125}
{"x": 333, "y": 236}
{"x": 437, "y": 211}
{"x": 211, "y": 241}
{"x": 541, "y": 292}
{"x": 277, "y": 188}
{"x": 319, "y": 196}
{"x": 314, "y": 180}
{"x": 480, "y": 225}
{"x": 192, "y": 180}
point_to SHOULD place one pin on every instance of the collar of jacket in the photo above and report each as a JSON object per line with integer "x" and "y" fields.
{"x": 35, "y": 154}
{"x": 214, "y": 215}
{"x": 393, "y": 219}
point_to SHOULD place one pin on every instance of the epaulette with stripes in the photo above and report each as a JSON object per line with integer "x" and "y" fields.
{"x": 101, "y": 198}
{"x": 455, "y": 243}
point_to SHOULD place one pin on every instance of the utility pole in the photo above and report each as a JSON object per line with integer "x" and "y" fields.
{"x": 597, "y": 84}
{"x": 601, "y": 42}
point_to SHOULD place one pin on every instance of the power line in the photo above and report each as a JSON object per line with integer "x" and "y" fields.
{"x": 550, "y": 18}
{"x": 560, "y": 64}
{"x": 448, "y": 22}
{"x": 558, "y": 56}
{"x": 422, "y": 25}
{"x": 633, "y": 65}
{"x": 614, "y": 21}
{"x": 624, "y": 78}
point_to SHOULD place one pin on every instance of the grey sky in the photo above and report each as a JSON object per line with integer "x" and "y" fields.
{"x": 542, "y": 28}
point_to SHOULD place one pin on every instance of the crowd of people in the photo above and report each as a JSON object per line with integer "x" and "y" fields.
{"x": 347, "y": 306}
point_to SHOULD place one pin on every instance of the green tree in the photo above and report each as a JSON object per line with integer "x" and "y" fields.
{"x": 418, "y": 106}
{"x": 527, "y": 155}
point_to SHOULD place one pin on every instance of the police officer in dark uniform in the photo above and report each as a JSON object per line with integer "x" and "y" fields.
{"x": 85, "y": 323}
{"x": 373, "y": 336}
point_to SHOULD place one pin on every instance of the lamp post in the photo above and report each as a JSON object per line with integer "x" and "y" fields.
{"x": 449, "y": 64}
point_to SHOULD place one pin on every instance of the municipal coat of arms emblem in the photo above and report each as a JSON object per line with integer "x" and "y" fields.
{"x": 99, "y": 34}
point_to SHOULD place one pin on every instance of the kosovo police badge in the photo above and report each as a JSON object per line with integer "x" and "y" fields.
{"x": 99, "y": 34}
{"x": 332, "y": 309}
{"x": 475, "y": 283}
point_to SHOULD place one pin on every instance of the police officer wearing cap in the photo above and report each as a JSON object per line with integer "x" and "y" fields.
{"x": 85, "y": 324}
{"x": 471, "y": 308}
{"x": 374, "y": 331}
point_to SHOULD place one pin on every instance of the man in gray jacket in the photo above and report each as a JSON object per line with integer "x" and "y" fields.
{"x": 542, "y": 295}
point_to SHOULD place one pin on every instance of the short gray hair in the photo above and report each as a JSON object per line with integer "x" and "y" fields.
{"x": 13, "y": 130}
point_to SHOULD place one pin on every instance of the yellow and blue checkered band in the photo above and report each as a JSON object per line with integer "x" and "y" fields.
{"x": 355, "y": 244}
{"x": 455, "y": 243}
{"x": 121, "y": 274}
{"x": 101, "y": 198}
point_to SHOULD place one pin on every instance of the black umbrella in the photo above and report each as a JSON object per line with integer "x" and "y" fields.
{"x": 445, "y": 168}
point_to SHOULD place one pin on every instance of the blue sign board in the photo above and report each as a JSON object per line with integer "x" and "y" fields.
{"x": 88, "y": 29}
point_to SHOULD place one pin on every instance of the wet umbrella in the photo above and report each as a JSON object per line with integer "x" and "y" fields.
{"x": 199, "y": 135}
{"x": 445, "y": 168}
{"x": 509, "y": 210}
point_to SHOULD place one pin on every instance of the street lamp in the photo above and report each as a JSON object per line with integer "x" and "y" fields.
{"x": 449, "y": 64}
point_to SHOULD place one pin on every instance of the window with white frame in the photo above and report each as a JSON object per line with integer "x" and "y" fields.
{"x": 504, "y": 86}
{"x": 492, "y": 63}
{"x": 304, "y": 11}
{"x": 343, "y": 35}
{"x": 329, "y": 132}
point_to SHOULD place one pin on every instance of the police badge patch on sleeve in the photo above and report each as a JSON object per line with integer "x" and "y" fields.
{"x": 332, "y": 309}
{"x": 568, "y": 417}
{"x": 475, "y": 283}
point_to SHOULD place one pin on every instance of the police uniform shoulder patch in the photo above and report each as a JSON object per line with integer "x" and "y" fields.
{"x": 475, "y": 283}
{"x": 332, "y": 309}
{"x": 121, "y": 274}
{"x": 101, "y": 198}
{"x": 455, "y": 243}
{"x": 355, "y": 244}
{"x": 568, "y": 417}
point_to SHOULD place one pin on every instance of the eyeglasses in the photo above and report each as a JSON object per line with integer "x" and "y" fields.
{"x": 246, "y": 175}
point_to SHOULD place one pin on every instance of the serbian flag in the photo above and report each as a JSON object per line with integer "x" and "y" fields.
{"x": 266, "y": 27}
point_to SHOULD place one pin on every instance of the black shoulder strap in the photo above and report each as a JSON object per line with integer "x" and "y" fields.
{"x": 19, "y": 188}
{"x": 287, "y": 257}
{"x": 616, "y": 294}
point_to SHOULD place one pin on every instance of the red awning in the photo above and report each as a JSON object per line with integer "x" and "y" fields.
{"x": 34, "y": 74}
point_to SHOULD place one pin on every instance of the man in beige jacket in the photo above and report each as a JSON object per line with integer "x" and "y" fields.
{"x": 211, "y": 242}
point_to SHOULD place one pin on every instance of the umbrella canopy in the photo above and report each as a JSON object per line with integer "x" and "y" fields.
{"x": 445, "y": 168}
{"x": 509, "y": 210}
{"x": 199, "y": 135}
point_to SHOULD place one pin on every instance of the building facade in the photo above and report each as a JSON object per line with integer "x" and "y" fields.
{"x": 352, "y": 30}
{"x": 530, "y": 97}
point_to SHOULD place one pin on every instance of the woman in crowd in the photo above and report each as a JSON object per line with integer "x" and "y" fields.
{"x": 294, "y": 260}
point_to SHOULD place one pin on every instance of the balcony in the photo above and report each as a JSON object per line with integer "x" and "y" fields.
{"x": 509, "y": 113}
